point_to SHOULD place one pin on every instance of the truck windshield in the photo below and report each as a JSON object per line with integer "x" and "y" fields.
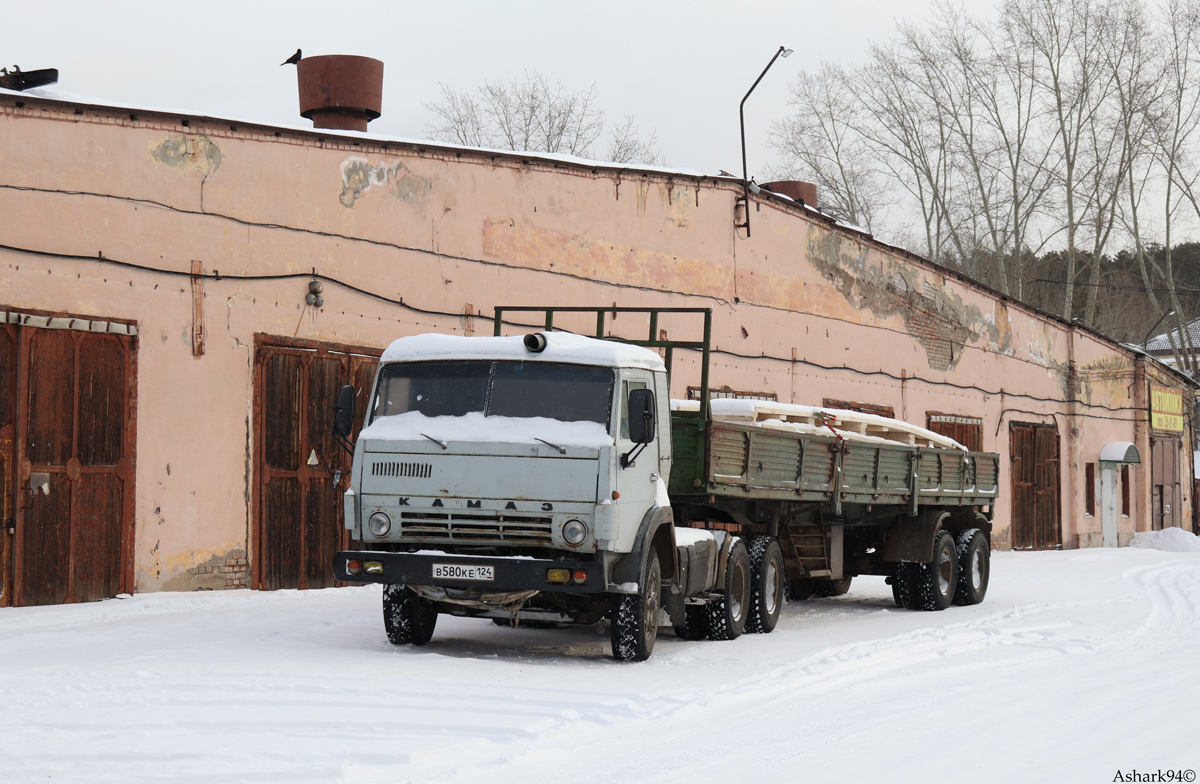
{"x": 568, "y": 393}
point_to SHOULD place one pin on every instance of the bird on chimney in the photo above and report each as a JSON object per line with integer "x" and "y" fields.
{"x": 293, "y": 59}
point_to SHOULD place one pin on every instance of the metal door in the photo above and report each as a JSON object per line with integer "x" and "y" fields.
{"x": 1164, "y": 482}
{"x": 66, "y": 457}
{"x": 1035, "y": 516}
{"x": 301, "y": 469}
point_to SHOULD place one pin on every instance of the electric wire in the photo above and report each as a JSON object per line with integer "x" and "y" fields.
{"x": 216, "y": 276}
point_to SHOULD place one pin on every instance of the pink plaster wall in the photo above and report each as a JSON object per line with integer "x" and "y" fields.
{"x": 814, "y": 311}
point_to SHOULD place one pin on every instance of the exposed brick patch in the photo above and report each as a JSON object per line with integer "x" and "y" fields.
{"x": 232, "y": 566}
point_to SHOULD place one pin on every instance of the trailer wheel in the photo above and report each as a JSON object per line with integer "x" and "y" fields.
{"x": 937, "y": 581}
{"x": 904, "y": 586}
{"x": 407, "y": 618}
{"x": 799, "y": 589}
{"x": 766, "y": 584}
{"x": 727, "y": 614}
{"x": 695, "y": 623}
{"x": 832, "y": 587}
{"x": 974, "y": 567}
{"x": 635, "y": 618}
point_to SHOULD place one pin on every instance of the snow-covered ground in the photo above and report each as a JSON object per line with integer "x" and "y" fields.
{"x": 1078, "y": 665}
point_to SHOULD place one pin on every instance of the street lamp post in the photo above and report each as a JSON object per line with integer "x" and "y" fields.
{"x": 781, "y": 52}
{"x": 1146, "y": 340}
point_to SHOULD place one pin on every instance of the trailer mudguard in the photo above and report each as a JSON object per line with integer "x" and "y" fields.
{"x": 657, "y": 530}
{"x": 911, "y": 538}
{"x": 964, "y": 519}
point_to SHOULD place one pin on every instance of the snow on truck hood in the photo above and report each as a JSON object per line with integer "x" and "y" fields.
{"x": 475, "y": 427}
{"x": 560, "y": 347}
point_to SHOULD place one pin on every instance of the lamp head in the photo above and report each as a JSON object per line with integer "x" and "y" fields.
{"x": 785, "y": 52}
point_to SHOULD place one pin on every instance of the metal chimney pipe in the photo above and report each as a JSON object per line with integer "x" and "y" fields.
{"x": 340, "y": 91}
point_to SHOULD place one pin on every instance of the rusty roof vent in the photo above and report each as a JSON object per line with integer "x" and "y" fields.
{"x": 804, "y": 192}
{"x": 340, "y": 91}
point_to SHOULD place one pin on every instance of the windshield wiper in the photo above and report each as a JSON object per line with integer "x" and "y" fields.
{"x": 442, "y": 444}
{"x": 562, "y": 450}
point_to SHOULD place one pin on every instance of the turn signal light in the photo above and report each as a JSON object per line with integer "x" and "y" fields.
{"x": 579, "y": 576}
{"x": 558, "y": 576}
{"x": 374, "y": 567}
{"x": 353, "y": 567}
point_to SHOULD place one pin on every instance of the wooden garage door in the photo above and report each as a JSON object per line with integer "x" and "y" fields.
{"x": 1035, "y": 514}
{"x": 301, "y": 469}
{"x": 66, "y": 457}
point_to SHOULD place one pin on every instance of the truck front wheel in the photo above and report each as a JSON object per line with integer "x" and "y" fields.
{"x": 407, "y": 618}
{"x": 767, "y": 576}
{"x": 727, "y": 614}
{"x": 635, "y": 618}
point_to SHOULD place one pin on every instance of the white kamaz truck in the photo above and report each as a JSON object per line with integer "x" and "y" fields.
{"x": 544, "y": 478}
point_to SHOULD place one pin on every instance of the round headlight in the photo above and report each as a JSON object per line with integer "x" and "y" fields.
{"x": 574, "y": 532}
{"x": 379, "y": 523}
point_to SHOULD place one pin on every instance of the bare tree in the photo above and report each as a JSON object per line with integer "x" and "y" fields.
{"x": 1004, "y": 80}
{"x": 533, "y": 115}
{"x": 1176, "y": 127}
{"x": 822, "y": 142}
{"x": 1067, "y": 40}
{"x": 907, "y": 138}
{"x": 625, "y": 145}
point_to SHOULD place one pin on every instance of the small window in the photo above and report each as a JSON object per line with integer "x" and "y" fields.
{"x": 966, "y": 430}
{"x": 1090, "y": 483}
{"x": 625, "y": 387}
{"x": 1125, "y": 490}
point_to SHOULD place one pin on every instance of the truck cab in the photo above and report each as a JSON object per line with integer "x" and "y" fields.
{"x": 522, "y": 479}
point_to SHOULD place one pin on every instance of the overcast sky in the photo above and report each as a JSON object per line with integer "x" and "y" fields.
{"x": 680, "y": 68}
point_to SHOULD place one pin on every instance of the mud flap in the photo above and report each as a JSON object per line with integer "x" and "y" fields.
{"x": 911, "y": 539}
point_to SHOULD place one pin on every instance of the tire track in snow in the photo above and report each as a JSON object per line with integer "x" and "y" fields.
{"x": 1166, "y": 585}
{"x": 1174, "y": 590}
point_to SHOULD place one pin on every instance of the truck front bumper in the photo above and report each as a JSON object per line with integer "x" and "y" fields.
{"x": 508, "y": 574}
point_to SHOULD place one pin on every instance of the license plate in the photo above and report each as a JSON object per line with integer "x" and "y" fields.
{"x": 464, "y": 572}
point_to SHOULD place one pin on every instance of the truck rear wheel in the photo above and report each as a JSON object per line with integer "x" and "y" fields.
{"x": 799, "y": 589}
{"x": 766, "y": 584}
{"x": 407, "y": 618}
{"x": 635, "y": 618}
{"x": 937, "y": 581}
{"x": 727, "y": 614}
{"x": 904, "y": 586}
{"x": 974, "y": 566}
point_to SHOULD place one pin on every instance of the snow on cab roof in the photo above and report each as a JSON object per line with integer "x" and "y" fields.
{"x": 560, "y": 347}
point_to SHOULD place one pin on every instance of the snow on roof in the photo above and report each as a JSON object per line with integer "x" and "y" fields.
{"x": 57, "y": 95}
{"x": 560, "y": 347}
{"x": 1162, "y": 343}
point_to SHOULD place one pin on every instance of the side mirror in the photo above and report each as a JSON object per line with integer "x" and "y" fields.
{"x": 641, "y": 416}
{"x": 343, "y": 414}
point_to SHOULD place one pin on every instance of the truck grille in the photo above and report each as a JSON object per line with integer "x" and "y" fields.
{"x": 476, "y": 528}
{"x": 394, "y": 468}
